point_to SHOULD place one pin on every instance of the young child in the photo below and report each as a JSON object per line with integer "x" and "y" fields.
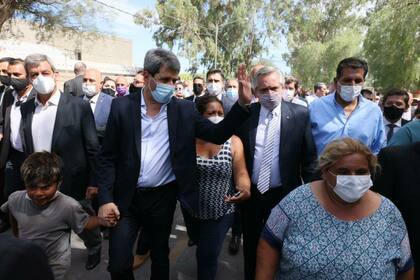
{"x": 44, "y": 215}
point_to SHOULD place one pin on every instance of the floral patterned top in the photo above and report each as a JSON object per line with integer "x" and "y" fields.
{"x": 316, "y": 245}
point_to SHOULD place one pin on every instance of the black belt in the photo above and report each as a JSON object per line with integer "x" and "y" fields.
{"x": 150, "y": 189}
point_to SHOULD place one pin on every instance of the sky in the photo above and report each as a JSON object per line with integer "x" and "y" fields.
{"x": 121, "y": 24}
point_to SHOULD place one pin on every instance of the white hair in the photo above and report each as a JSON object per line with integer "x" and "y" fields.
{"x": 266, "y": 70}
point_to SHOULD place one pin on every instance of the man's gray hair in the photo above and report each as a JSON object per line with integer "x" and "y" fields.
{"x": 266, "y": 70}
{"x": 34, "y": 60}
{"x": 156, "y": 58}
{"x": 79, "y": 68}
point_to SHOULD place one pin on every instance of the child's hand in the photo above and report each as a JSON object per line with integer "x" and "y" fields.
{"x": 108, "y": 222}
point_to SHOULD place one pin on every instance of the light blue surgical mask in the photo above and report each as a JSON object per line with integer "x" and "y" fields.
{"x": 232, "y": 94}
{"x": 163, "y": 93}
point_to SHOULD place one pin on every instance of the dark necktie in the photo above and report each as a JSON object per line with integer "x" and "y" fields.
{"x": 391, "y": 127}
{"x": 18, "y": 103}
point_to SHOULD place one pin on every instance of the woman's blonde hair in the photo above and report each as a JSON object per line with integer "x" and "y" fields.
{"x": 344, "y": 147}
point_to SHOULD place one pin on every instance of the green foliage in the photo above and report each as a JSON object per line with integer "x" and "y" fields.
{"x": 213, "y": 33}
{"x": 47, "y": 16}
{"x": 320, "y": 34}
{"x": 392, "y": 44}
{"x": 185, "y": 76}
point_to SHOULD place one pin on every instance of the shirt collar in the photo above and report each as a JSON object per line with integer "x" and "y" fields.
{"x": 398, "y": 123}
{"x": 93, "y": 100}
{"x": 54, "y": 99}
{"x": 276, "y": 111}
{"x": 143, "y": 102}
{"x": 23, "y": 98}
{"x": 360, "y": 104}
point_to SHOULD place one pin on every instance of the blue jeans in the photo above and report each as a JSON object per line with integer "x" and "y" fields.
{"x": 209, "y": 236}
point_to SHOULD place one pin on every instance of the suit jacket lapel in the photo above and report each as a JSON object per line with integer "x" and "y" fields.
{"x": 253, "y": 125}
{"x": 171, "y": 114}
{"x": 286, "y": 118}
{"x": 98, "y": 107}
{"x": 27, "y": 126}
{"x": 136, "y": 116}
{"x": 60, "y": 118}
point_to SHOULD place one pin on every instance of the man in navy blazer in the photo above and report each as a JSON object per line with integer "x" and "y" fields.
{"x": 100, "y": 103}
{"x": 148, "y": 161}
{"x": 280, "y": 155}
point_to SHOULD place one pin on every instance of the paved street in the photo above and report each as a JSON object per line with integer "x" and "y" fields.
{"x": 182, "y": 259}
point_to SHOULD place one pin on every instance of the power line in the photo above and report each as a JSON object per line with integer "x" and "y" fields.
{"x": 114, "y": 8}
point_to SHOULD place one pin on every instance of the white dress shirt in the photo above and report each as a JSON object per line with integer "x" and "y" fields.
{"x": 311, "y": 98}
{"x": 297, "y": 100}
{"x": 43, "y": 123}
{"x": 92, "y": 101}
{"x": 260, "y": 139}
{"x": 396, "y": 128}
{"x": 15, "y": 119}
{"x": 155, "y": 167}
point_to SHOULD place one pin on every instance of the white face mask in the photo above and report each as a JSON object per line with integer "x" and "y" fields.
{"x": 44, "y": 85}
{"x": 214, "y": 89}
{"x": 89, "y": 90}
{"x": 351, "y": 188}
{"x": 270, "y": 100}
{"x": 350, "y": 93}
{"x": 215, "y": 119}
{"x": 288, "y": 95}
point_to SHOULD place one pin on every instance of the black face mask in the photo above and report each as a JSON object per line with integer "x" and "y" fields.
{"x": 19, "y": 84}
{"x": 393, "y": 113}
{"x": 5, "y": 80}
{"x": 132, "y": 89}
{"x": 109, "y": 91}
{"x": 197, "y": 89}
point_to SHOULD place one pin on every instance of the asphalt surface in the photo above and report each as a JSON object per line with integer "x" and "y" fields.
{"x": 182, "y": 259}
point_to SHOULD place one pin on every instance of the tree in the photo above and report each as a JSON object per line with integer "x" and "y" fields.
{"x": 50, "y": 15}
{"x": 392, "y": 44}
{"x": 319, "y": 35}
{"x": 213, "y": 33}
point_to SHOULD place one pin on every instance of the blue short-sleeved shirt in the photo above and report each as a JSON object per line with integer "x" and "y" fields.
{"x": 316, "y": 245}
{"x": 329, "y": 122}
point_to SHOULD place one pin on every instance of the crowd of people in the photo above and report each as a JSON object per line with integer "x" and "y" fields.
{"x": 320, "y": 183}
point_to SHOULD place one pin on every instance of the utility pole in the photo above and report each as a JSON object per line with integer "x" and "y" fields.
{"x": 216, "y": 42}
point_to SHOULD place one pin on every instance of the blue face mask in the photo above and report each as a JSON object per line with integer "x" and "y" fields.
{"x": 232, "y": 94}
{"x": 163, "y": 93}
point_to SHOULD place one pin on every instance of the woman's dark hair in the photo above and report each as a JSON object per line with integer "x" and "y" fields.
{"x": 203, "y": 101}
{"x": 42, "y": 169}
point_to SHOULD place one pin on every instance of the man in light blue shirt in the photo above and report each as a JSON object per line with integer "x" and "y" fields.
{"x": 345, "y": 113}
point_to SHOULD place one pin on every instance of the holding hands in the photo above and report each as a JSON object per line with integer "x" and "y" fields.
{"x": 109, "y": 213}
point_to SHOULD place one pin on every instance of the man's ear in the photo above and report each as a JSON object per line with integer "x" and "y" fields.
{"x": 57, "y": 76}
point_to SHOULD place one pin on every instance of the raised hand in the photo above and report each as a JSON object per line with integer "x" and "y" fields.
{"x": 245, "y": 92}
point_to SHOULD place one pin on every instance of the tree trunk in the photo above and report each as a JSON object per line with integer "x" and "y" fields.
{"x": 7, "y": 9}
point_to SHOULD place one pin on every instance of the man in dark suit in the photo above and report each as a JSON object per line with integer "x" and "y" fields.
{"x": 148, "y": 160}
{"x": 63, "y": 124}
{"x": 399, "y": 180}
{"x": 74, "y": 86}
{"x": 198, "y": 89}
{"x": 100, "y": 103}
{"x": 280, "y": 154}
{"x": 11, "y": 153}
{"x": 394, "y": 104}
